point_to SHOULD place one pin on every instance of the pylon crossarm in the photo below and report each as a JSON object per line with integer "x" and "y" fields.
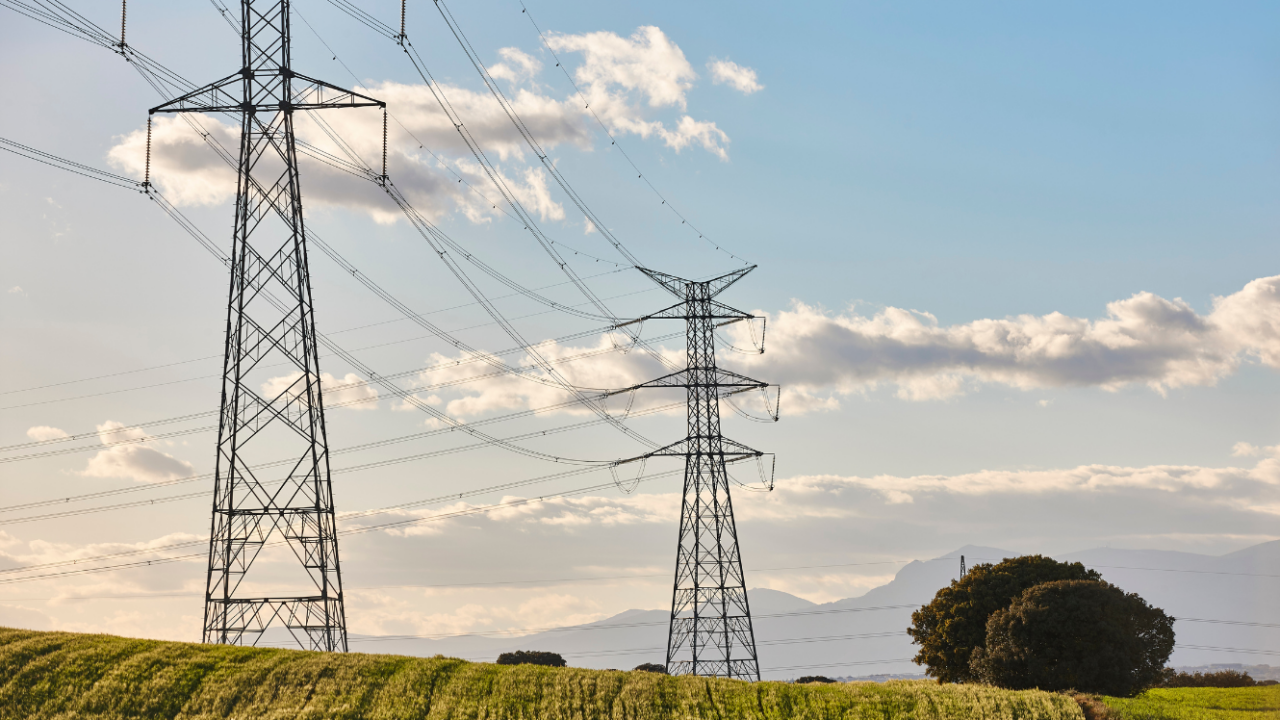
{"x": 218, "y": 96}
{"x": 731, "y": 451}
{"x": 679, "y": 287}
{"x": 220, "y": 100}
{"x": 726, "y": 383}
{"x": 718, "y": 285}
{"x": 345, "y": 98}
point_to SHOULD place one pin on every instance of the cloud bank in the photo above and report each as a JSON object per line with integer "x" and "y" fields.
{"x": 819, "y": 357}
{"x": 1144, "y": 339}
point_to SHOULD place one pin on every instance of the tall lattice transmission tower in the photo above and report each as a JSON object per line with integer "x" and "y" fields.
{"x": 711, "y": 632}
{"x": 268, "y": 413}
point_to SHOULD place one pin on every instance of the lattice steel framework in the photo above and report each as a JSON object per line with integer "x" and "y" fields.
{"x": 711, "y": 632}
{"x": 266, "y": 411}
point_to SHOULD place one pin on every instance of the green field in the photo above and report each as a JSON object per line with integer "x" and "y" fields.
{"x": 1256, "y": 703}
{"x": 69, "y": 675}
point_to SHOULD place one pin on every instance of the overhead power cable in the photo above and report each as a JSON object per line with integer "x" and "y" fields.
{"x": 352, "y": 531}
{"x": 440, "y": 162}
{"x": 151, "y": 71}
{"x": 527, "y": 134}
{"x": 287, "y": 462}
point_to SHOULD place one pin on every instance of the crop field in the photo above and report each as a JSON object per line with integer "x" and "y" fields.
{"x": 1255, "y": 703}
{"x": 70, "y": 675}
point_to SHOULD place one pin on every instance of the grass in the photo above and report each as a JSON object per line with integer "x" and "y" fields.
{"x": 69, "y": 675}
{"x": 1254, "y": 703}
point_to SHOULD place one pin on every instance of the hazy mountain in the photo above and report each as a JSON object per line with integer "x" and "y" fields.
{"x": 866, "y": 634}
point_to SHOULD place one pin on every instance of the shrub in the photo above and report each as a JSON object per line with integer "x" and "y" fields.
{"x": 651, "y": 667}
{"x": 814, "y": 679}
{"x": 955, "y": 622}
{"x": 1076, "y": 634}
{"x": 531, "y": 657}
{"x": 1170, "y": 678}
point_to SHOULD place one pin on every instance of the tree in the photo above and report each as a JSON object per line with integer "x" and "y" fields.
{"x": 531, "y": 657}
{"x": 955, "y": 622}
{"x": 1170, "y": 678}
{"x": 1085, "y": 635}
{"x": 813, "y": 679}
{"x": 651, "y": 667}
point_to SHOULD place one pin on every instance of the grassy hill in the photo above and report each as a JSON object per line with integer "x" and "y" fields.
{"x": 1252, "y": 703}
{"x": 70, "y": 675}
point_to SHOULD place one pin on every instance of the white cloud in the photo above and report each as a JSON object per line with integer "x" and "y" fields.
{"x": 135, "y": 461}
{"x": 17, "y": 290}
{"x": 1244, "y": 449}
{"x": 41, "y": 433}
{"x": 350, "y": 391}
{"x": 517, "y": 65}
{"x": 739, "y": 77}
{"x": 472, "y": 388}
{"x": 647, "y": 62}
{"x": 620, "y": 75}
{"x": 1144, "y": 339}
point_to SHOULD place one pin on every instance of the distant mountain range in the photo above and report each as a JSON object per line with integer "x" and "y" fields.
{"x": 1227, "y": 601}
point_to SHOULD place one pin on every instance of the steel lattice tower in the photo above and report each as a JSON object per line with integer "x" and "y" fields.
{"x": 267, "y": 412}
{"x": 711, "y": 632}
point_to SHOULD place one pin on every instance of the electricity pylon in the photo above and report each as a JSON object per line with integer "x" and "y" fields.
{"x": 268, "y": 412}
{"x": 711, "y": 632}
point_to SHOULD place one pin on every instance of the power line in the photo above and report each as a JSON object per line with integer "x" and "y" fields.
{"x": 354, "y": 531}
{"x": 337, "y": 332}
{"x": 440, "y": 161}
{"x": 367, "y": 466}
{"x": 153, "y": 72}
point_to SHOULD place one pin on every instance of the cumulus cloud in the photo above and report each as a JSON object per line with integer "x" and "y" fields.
{"x": 619, "y": 75}
{"x": 472, "y": 388}
{"x": 41, "y": 433}
{"x": 350, "y": 391}
{"x": 134, "y": 461}
{"x": 739, "y": 77}
{"x": 516, "y": 66}
{"x": 1144, "y": 339}
{"x": 819, "y": 357}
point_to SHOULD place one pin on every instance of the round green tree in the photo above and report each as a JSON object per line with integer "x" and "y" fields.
{"x": 955, "y": 622}
{"x": 1076, "y": 635}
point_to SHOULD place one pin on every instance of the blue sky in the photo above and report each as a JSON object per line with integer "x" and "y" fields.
{"x": 976, "y": 162}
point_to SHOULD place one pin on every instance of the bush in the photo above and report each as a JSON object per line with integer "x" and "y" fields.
{"x": 1084, "y": 635}
{"x": 651, "y": 667}
{"x": 955, "y": 622}
{"x": 1170, "y": 678}
{"x": 531, "y": 657}
{"x": 814, "y": 679}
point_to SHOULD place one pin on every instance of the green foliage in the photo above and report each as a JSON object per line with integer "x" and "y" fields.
{"x": 1085, "y": 635}
{"x": 44, "y": 676}
{"x": 651, "y": 667}
{"x": 955, "y": 622}
{"x": 532, "y": 657}
{"x": 814, "y": 679}
{"x": 1255, "y": 703}
{"x": 1170, "y": 678}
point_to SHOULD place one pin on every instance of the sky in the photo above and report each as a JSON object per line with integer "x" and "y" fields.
{"x": 1017, "y": 264}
